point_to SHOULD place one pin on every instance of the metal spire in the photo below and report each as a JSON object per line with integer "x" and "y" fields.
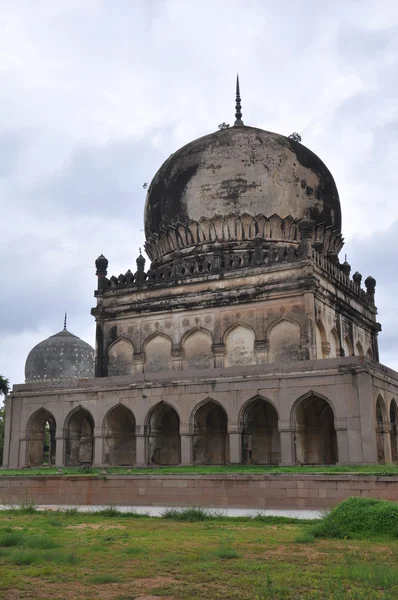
{"x": 66, "y": 314}
{"x": 238, "y": 106}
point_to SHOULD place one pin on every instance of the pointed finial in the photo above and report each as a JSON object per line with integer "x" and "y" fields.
{"x": 238, "y": 106}
{"x": 345, "y": 258}
{"x": 140, "y": 251}
{"x": 66, "y": 314}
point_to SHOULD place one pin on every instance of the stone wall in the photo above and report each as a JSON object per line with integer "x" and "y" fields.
{"x": 233, "y": 491}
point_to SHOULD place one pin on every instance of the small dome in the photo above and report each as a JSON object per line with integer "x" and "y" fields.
{"x": 234, "y": 172}
{"x": 61, "y": 356}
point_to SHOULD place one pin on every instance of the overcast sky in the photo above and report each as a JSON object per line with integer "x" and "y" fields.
{"x": 96, "y": 94}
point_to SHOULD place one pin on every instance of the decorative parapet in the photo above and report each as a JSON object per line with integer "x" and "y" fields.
{"x": 338, "y": 272}
{"x": 217, "y": 261}
{"x": 233, "y": 229}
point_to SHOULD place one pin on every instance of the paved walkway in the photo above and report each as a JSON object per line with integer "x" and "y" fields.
{"x": 156, "y": 511}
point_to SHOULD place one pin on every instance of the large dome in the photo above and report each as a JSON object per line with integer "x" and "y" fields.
{"x": 239, "y": 171}
{"x": 61, "y": 356}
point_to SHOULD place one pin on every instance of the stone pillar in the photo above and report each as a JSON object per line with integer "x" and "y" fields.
{"x": 176, "y": 359}
{"x": 260, "y": 347}
{"x": 219, "y": 352}
{"x": 186, "y": 449}
{"x": 367, "y": 416}
{"x": 387, "y": 442}
{"x": 287, "y": 443}
{"x": 98, "y": 447}
{"x": 343, "y": 456}
{"x": 306, "y": 228}
{"x": 235, "y": 444}
{"x": 60, "y": 442}
{"x": 140, "y": 450}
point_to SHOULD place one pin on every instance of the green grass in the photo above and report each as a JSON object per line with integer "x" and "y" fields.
{"x": 91, "y": 556}
{"x": 387, "y": 470}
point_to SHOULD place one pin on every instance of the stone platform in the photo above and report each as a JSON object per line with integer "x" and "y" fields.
{"x": 287, "y": 491}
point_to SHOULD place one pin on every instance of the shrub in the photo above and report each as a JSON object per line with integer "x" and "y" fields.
{"x": 305, "y": 537}
{"x": 359, "y": 518}
{"x": 40, "y": 542}
{"x": 109, "y": 511}
{"x": 24, "y": 557}
{"x": 188, "y": 514}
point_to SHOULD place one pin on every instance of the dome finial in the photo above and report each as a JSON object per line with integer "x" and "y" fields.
{"x": 66, "y": 315}
{"x": 238, "y": 106}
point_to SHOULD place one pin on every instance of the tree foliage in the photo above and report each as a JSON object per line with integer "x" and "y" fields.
{"x": 4, "y": 389}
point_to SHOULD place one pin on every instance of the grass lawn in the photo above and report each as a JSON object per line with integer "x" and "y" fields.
{"x": 391, "y": 469}
{"x": 72, "y": 556}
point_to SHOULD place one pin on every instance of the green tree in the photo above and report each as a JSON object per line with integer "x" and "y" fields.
{"x": 4, "y": 389}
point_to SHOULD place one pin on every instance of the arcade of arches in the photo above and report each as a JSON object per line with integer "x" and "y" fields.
{"x": 313, "y": 432}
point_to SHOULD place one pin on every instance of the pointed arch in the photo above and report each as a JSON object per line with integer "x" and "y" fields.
{"x": 380, "y": 430}
{"x": 163, "y": 435}
{"x": 348, "y": 347}
{"x": 334, "y": 343}
{"x": 315, "y": 435}
{"x": 359, "y": 349}
{"x": 394, "y": 430}
{"x": 157, "y": 350}
{"x": 79, "y": 427}
{"x": 120, "y": 357}
{"x": 119, "y": 436}
{"x": 210, "y": 439}
{"x": 260, "y": 435}
{"x": 41, "y": 436}
{"x": 320, "y": 340}
{"x": 284, "y": 340}
{"x": 239, "y": 346}
{"x": 197, "y": 349}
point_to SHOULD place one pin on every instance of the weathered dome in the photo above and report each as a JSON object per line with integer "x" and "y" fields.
{"x": 238, "y": 171}
{"x": 61, "y": 356}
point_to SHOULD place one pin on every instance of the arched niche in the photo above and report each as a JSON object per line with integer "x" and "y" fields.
{"x": 119, "y": 437}
{"x": 197, "y": 352}
{"x": 320, "y": 340}
{"x": 239, "y": 346}
{"x": 260, "y": 435}
{"x": 120, "y": 358}
{"x": 334, "y": 344}
{"x": 210, "y": 442}
{"x": 369, "y": 353}
{"x": 380, "y": 431}
{"x": 79, "y": 438}
{"x": 41, "y": 439}
{"x": 157, "y": 354}
{"x": 284, "y": 341}
{"x": 315, "y": 434}
{"x": 348, "y": 347}
{"x": 393, "y": 431}
{"x": 163, "y": 441}
{"x": 359, "y": 349}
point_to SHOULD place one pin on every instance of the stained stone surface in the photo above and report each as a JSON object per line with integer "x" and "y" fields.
{"x": 241, "y": 170}
{"x": 61, "y": 356}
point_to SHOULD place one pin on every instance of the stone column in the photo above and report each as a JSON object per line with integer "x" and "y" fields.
{"x": 367, "y": 409}
{"x": 235, "y": 444}
{"x": 140, "y": 450}
{"x": 176, "y": 359}
{"x": 287, "y": 443}
{"x": 343, "y": 456}
{"x": 98, "y": 447}
{"x": 60, "y": 442}
{"x": 186, "y": 449}
{"x": 387, "y": 442}
{"x": 219, "y": 352}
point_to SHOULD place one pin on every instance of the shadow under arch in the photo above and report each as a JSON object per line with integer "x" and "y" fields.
{"x": 210, "y": 429}
{"x": 40, "y": 433}
{"x": 162, "y": 424}
{"x": 380, "y": 430}
{"x": 312, "y": 419}
{"x": 260, "y": 434}
{"x": 119, "y": 436}
{"x": 79, "y": 428}
{"x": 393, "y": 430}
